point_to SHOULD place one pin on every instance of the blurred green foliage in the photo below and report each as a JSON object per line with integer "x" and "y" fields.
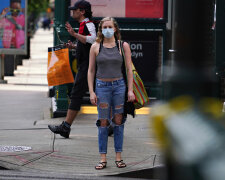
{"x": 37, "y": 6}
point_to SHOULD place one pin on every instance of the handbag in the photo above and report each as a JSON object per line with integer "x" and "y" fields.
{"x": 59, "y": 71}
{"x": 141, "y": 96}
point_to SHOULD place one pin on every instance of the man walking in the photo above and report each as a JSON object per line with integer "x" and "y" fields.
{"x": 85, "y": 38}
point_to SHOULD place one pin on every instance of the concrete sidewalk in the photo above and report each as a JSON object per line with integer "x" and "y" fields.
{"x": 24, "y": 118}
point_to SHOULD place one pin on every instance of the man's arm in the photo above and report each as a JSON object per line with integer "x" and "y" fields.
{"x": 92, "y": 37}
{"x": 82, "y": 38}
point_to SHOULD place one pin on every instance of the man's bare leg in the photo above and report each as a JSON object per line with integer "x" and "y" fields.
{"x": 71, "y": 115}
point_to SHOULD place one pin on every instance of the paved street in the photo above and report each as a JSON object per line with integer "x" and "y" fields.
{"x": 25, "y": 114}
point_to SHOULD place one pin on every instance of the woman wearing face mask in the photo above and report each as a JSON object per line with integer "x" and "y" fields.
{"x": 106, "y": 63}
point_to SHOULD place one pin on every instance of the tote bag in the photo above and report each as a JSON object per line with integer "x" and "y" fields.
{"x": 59, "y": 70}
{"x": 141, "y": 96}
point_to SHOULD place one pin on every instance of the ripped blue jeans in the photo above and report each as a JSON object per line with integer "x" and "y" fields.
{"x": 110, "y": 97}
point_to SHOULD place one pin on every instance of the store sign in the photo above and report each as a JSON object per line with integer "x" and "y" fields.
{"x": 136, "y": 50}
{"x": 144, "y": 8}
{"x": 146, "y": 59}
{"x": 127, "y": 8}
{"x": 13, "y": 27}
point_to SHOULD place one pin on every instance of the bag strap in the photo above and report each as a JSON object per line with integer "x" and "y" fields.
{"x": 122, "y": 52}
{"x": 123, "y": 55}
{"x": 117, "y": 45}
{"x": 100, "y": 47}
{"x": 124, "y": 59}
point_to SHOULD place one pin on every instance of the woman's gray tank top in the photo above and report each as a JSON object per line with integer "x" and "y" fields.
{"x": 109, "y": 63}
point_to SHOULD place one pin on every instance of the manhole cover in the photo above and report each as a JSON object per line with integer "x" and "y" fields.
{"x": 14, "y": 148}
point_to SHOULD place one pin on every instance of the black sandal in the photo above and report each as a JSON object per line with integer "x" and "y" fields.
{"x": 120, "y": 164}
{"x": 100, "y": 165}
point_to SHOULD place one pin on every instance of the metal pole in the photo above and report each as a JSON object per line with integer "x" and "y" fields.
{"x": 61, "y": 16}
{"x": 194, "y": 67}
{"x": 172, "y": 51}
{"x": 193, "y": 75}
{"x": 60, "y": 99}
{"x": 219, "y": 45}
{"x": 2, "y": 81}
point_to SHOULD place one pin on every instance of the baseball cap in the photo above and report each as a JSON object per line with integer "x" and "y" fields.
{"x": 80, "y": 4}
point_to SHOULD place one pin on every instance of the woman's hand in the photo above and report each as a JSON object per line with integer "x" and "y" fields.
{"x": 93, "y": 98}
{"x": 131, "y": 96}
{"x": 70, "y": 29}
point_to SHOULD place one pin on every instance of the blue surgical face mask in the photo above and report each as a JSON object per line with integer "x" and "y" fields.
{"x": 108, "y": 32}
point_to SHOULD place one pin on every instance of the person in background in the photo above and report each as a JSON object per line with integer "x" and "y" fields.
{"x": 85, "y": 38}
{"x": 110, "y": 88}
{"x": 13, "y": 25}
{"x": 46, "y": 23}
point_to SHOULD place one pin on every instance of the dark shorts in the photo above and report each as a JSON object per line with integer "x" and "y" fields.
{"x": 80, "y": 87}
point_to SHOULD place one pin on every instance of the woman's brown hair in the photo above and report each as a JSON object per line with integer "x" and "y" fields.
{"x": 100, "y": 36}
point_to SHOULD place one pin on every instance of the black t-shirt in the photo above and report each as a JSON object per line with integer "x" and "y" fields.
{"x": 82, "y": 50}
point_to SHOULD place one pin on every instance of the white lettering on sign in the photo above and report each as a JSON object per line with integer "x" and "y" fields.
{"x": 134, "y": 46}
{"x": 136, "y": 50}
{"x": 14, "y": 148}
{"x": 136, "y": 55}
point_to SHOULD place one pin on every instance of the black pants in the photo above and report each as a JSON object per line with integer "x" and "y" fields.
{"x": 80, "y": 87}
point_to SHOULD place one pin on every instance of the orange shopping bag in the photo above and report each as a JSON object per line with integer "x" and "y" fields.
{"x": 59, "y": 71}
